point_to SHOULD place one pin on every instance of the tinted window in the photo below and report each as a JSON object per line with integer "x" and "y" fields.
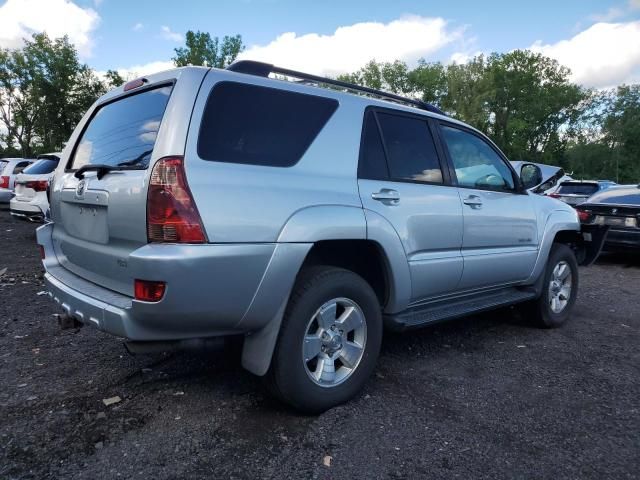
{"x": 44, "y": 165}
{"x": 20, "y": 167}
{"x": 124, "y": 132}
{"x": 2, "y": 165}
{"x": 578, "y": 188}
{"x": 477, "y": 165}
{"x": 260, "y": 126}
{"x": 410, "y": 149}
{"x": 373, "y": 163}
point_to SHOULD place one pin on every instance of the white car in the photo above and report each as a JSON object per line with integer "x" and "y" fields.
{"x": 31, "y": 201}
{"x": 9, "y": 168}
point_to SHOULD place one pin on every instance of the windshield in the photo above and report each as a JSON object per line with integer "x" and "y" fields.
{"x": 44, "y": 165}
{"x": 123, "y": 133}
{"x": 578, "y": 188}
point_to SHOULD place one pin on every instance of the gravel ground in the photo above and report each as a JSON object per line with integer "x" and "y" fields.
{"x": 483, "y": 397}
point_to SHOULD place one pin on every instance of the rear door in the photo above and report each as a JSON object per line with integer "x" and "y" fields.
{"x": 98, "y": 222}
{"x": 500, "y": 225}
{"x": 402, "y": 179}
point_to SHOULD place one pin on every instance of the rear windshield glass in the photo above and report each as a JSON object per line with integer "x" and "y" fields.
{"x": 260, "y": 126}
{"x": 578, "y": 188}
{"x": 123, "y": 133}
{"x": 44, "y": 165}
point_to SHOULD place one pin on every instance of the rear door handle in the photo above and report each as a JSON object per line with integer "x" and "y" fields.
{"x": 473, "y": 201}
{"x": 387, "y": 196}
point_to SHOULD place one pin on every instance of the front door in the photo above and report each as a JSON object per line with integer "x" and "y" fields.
{"x": 401, "y": 179}
{"x": 500, "y": 226}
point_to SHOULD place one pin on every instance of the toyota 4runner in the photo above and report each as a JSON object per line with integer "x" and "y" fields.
{"x": 200, "y": 203}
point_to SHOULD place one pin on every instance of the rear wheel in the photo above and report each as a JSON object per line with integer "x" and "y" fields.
{"x": 329, "y": 340}
{"x": 559, "y": 289}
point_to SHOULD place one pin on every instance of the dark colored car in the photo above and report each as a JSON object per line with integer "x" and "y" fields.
{"x": 619, "y": 209}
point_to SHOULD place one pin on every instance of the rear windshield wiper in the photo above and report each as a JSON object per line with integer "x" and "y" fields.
{"x": 103, "y": 169}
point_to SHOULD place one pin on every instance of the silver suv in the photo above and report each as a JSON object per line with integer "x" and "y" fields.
{"x": 200, "y": 203}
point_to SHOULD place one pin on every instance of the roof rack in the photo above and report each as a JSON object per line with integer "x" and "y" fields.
{"x": 261, "y": 69}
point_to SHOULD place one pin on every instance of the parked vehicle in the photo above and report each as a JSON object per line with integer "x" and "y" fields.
{"x": 574, "y": 192}
{"x": 551, "y": 176}
{"x": 618, "y": 208}
{"x": 31, "y": 199}
{"x": 9, "y": 168}
{"x": 199, "y": 203}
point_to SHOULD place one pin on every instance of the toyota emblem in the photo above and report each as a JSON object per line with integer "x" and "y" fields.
{"x": 80, "y": 188}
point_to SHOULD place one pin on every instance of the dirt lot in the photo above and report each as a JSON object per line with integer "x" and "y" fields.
{"x": 484, "y": 397}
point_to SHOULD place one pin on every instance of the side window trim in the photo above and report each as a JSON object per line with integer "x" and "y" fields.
{"x": 444, "y": 167}
{"x": 516, "y": 179}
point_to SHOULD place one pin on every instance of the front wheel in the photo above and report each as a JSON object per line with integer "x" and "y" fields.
{"x": 559, "y": 289}
{"x": 329, "y": 340}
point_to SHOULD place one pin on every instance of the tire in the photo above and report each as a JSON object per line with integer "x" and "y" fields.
{"x": 541, "y": 312}
{"x": 305, "y": 381}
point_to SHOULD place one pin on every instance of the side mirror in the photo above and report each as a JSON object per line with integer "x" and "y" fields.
{"x": 531, "y": 175}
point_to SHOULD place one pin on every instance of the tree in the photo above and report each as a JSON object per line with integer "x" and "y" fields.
{"x": 202, "y": 49}
{"x": 113, "y": 79}
{"x": 44, "y": 91}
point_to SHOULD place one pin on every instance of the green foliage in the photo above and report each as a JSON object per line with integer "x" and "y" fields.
{"x": 44, "y": 91}
{"x": 201, "y": 49}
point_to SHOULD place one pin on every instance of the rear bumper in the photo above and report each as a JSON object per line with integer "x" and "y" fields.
{"x": 26, "y": 210}
{"x": 5, "y": 195}
{"x": 629, "y": 238}
{"x": 212, "y": 290}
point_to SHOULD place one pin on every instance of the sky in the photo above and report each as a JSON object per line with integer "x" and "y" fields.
{"x": 598, "y": 40}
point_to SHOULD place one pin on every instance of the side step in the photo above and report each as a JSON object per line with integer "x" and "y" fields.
{"x": 441, "y": 310}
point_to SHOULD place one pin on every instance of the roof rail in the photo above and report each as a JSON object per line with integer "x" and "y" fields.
{"x": 261, "y": 69}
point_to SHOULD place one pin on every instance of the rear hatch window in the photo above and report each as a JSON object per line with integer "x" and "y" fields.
{"x": 44, "y": 165}
{"x": 578, "y": 189}
{"x": 123, "y": 133}
{"x": 2, "y": 165}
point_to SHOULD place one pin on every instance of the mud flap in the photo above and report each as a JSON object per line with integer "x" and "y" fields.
{"x": 593, "y": 237}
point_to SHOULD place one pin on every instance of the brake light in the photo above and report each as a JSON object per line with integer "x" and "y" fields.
{"x": 584, "y": 215}
{"x": 38, "y": 185}
{"x": 4, "y": 181}
{"x": 554, "y": 195}
{"x": 148, "y": 291}
{"x": 42, "y": 254}
{"x": 137, "y": 83}
{"x": 172, "y": 215}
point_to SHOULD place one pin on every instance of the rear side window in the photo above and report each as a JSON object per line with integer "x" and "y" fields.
{"x": 255, "y": 125}
{"x": 410, "y": 149}
{"x": 578, "y": 188}
{"x": 20, "y": 167}
{"x": 2, "y": 165}
{"x": 44, "y": 165}
{"x": 123, "y": 133}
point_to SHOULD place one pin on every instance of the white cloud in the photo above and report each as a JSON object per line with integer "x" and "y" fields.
{"x": 135, "y": 71}
{"x": 137, "y": 27}
{"x": 604, "y": 55}
{"x": 21, "y": 18}
{"x": 351, "y": 47}
{"x": 167, "y": 34}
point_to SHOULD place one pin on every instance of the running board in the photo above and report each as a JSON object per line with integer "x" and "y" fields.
{"x": 441, "y": 310}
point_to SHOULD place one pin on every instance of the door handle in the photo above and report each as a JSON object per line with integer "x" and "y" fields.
{"x": 387, "y": 196}
{"x": 474, "y": 201}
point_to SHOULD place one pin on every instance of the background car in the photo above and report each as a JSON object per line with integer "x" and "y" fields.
{"x": 619, "y": 208}
{"x": 9, "y": 168}
{"x": 30, "y": 201}
{"x": 551, "y": 176}
{"x": 574, "y": 192}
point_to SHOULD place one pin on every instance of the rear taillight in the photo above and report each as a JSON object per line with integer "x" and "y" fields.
{"x": 148, "y": 291}
{"x": 42, "y": 254}
{"x": 172, "y": 215}
{"x": 37, "y": 185}
{"x": 554, "y": 195}
{"x": 4, "y": 181}
{"x": 584, "y": 215}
